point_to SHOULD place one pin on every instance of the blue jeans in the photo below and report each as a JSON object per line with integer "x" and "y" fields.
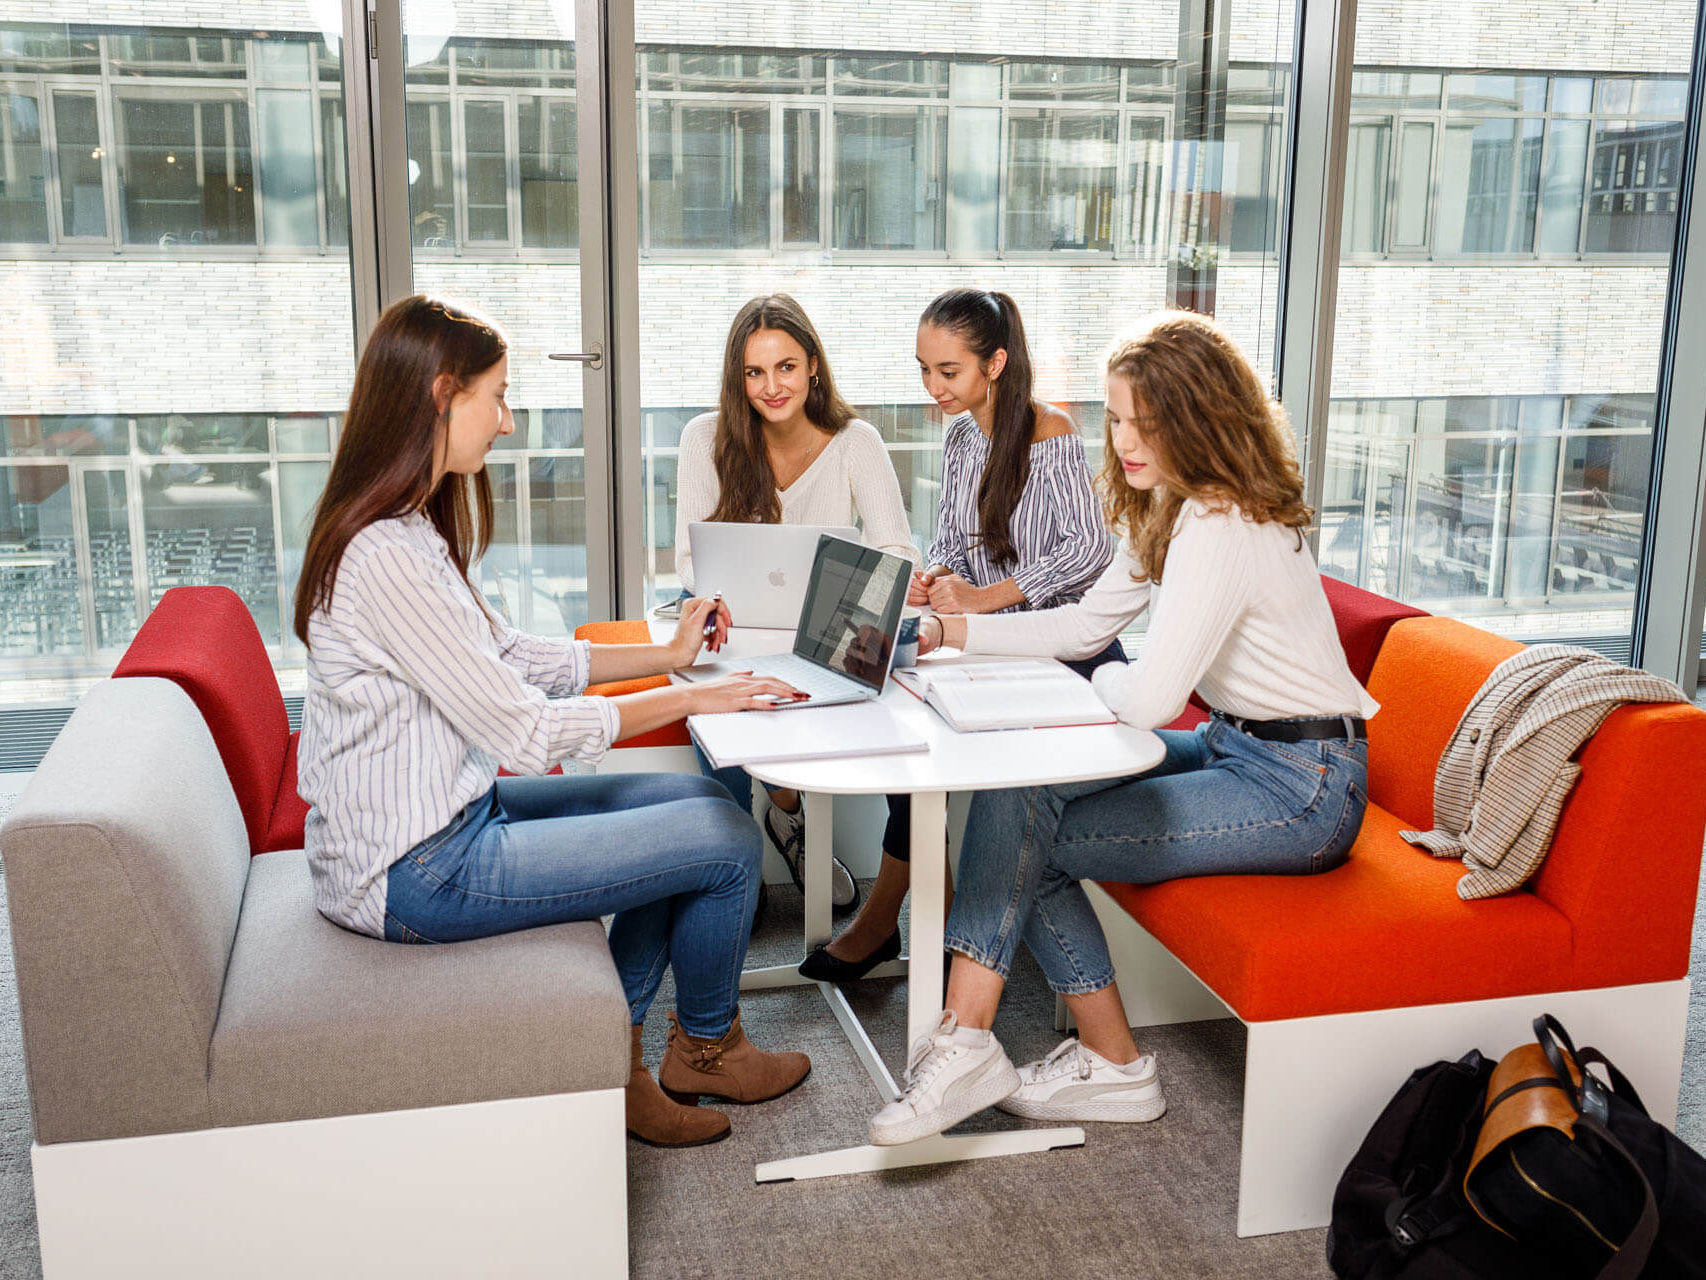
{"x": 736, "y": 780}
{"x": 670, "y": 855}
{"x": 1220, "y": 803}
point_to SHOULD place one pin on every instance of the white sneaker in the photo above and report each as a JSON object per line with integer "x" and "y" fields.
{"x": 953, "y": 1073}
{"x": 787, "y": 831}
{"x": 1077, "y": 1083}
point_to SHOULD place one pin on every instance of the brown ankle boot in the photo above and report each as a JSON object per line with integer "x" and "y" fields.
{"x": 731, "y": 1068}
{"x": 658, "y": 1122}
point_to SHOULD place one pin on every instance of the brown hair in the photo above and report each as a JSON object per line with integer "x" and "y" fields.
{"x": 392, "y": 434}
{"x": 1218, "y": 437}
{"x": 987, "y": 323}
{"x": 746, "y": 484}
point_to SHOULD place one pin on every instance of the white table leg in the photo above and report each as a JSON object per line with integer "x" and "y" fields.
{"x": 940, "y": 1149}
{"x": 929, "y": 896}
{"x": 923, "y": 1004}
{"x": 819, "y": 849}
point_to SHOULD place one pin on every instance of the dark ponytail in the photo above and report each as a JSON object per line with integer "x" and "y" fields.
{"x": 989, "y": 322}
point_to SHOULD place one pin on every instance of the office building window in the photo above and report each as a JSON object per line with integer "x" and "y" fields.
{"x": 185, "y": 170}
{"x": 550, "y": 192}
{"x": 1491, "y": 164}
{"x": 1060, "y": 170}
{"x": 889, "y": 168}
{"x": 23, "y": 170}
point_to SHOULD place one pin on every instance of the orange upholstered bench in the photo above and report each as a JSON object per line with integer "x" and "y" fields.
{"x": 631, "y": 632}
{"x": 1349, "y": 979}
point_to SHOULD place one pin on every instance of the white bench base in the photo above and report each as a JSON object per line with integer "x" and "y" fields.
{"x": 519, "y": 1187}
{"x": 1313, "y": 1086}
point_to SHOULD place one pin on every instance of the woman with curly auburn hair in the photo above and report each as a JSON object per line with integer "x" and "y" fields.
{"x": 1205, "y": 498}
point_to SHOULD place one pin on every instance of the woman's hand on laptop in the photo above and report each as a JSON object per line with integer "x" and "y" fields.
{"x": 704, "y": 622}
{"x": 743, "y": 692}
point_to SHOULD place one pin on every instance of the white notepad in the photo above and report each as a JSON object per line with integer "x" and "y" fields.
{"x": 1032, "y": 693}
{"x": 802, "y": 733}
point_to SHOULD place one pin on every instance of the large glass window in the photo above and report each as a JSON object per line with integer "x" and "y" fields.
{"x": 1496, "y": 361}
{"x": 164, "y": 160}
{"x": 1047, "y": 167}
{"x": 496, "y": 176}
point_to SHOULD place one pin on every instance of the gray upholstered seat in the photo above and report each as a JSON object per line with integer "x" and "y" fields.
{"x": 318, "y": 1021}
{"x": 168, "y": 982}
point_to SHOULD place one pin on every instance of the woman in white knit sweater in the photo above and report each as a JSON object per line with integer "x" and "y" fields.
{"x": 1201, "y": 481}
{"x": 783, "y": 447}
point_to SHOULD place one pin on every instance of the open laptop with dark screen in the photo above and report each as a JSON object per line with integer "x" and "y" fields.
{"x": 845, "y": 638}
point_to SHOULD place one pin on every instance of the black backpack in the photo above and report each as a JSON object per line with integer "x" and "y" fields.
{"x": 1400, "y": 1210}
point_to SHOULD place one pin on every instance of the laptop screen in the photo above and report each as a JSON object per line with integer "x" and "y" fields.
{"x": 852, "y": 610}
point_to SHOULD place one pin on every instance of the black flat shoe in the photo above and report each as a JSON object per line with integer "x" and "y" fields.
{"x": 820, "y": 966}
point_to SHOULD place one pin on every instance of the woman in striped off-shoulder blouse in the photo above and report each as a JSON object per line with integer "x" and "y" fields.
{"x": 1019, "y": 528}
{"x": 418, "y": 693}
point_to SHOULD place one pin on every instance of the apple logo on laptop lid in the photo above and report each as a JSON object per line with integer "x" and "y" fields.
{"x": 778, "y": 578}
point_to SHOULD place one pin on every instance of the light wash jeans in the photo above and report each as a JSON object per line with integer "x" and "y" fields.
{"x": 1219, "y": 803}
{"x": 670, "y": 855}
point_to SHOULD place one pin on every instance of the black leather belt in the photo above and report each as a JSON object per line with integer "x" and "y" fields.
{"x": 1353, "y": 728}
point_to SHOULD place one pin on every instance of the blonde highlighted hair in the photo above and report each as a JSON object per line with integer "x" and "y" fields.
{"x": 1217, "y": 435}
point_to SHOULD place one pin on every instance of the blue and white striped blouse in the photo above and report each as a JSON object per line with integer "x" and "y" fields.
{"x": 414, "y": 701}
{"x": 1056, "y": 528}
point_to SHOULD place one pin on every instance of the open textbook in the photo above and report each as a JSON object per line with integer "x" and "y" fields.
{"x": 1029, "y": 694}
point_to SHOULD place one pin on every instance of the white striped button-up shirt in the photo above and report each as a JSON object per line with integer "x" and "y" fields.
{"x": 1056, "y": 526}
{"x": 415, "y": 698}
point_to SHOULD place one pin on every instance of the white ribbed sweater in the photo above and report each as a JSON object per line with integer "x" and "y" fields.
{"x": 1239, "y": 616}
{"x": 852, "y": 482}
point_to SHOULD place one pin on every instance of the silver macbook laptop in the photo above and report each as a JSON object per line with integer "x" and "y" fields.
{"x": 845, "y": 639}
{"x": 761, "y": 569}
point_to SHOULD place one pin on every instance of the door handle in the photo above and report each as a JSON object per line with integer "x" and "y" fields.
{"x": 593, "y": 358}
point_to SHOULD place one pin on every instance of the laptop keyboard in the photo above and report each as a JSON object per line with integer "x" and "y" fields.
{"x": 805, "y": 676}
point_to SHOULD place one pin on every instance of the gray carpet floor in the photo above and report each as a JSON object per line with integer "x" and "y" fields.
{"x": 1153, "y": 1200}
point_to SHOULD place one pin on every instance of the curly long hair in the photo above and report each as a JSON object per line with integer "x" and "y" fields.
{"x": 393, "y": 433}
{"x": 746, "y": 486}
{"x": 1218, "y": 437}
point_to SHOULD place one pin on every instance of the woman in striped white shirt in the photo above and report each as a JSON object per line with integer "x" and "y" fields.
{"x": 1018, "y": 528}
{"x": 418, "y": 693}
{"x": 1202, "y": 482}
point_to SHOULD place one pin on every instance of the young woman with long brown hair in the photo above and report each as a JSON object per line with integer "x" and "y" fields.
{"x": 783, "y": 447}
{"x": 417, "y": 694}
{"x": 1018, "y": 529}
{"x": 1203, "y": 488}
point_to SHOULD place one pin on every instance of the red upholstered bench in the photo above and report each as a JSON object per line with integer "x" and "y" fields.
{"x": 203, "y": 640}
{"x": 1348, "y": 980}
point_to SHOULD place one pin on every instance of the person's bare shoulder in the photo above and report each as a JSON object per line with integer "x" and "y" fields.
{"x": 1052, "y": 422}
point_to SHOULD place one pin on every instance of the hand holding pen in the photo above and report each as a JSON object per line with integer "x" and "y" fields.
{"x": 704, "y": 623}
